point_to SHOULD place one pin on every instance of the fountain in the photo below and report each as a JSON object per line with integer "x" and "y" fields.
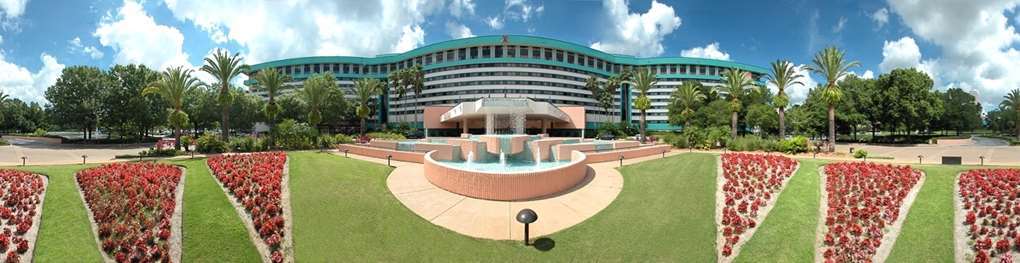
{"x": 538, "y": 156}
{"x": 470, "y": 158}
{"x": 502, "y": 158}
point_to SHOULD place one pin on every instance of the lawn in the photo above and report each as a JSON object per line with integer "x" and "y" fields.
{"x": 351, "y": 215}
{"x": 791, "y": 222}
{"x": 927, "y": 235}
{"x": 65, "y": 234}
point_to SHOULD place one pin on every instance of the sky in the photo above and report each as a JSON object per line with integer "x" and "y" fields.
{"x": 965, "y": 44}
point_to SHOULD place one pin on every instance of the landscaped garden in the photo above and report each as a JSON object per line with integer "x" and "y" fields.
{"x": 342, "y": 209}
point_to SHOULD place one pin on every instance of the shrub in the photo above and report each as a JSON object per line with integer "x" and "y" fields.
{"x": 246, "y": 144}
{"x": 343, "y": 139}
{"x": 797, "y": 144}
{"x": 860, "y": 153}
{"x": 210, "y": 143}
{"x": 169, "y": 152}
{"x": 4, "y": 142}
{"x": 187, "y": 141}
{"x": 39, "y": 132}
{"x": 292, "y": 135}
{"x": 386, "y": 136}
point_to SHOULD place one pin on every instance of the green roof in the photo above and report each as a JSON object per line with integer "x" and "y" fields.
{"x": 512, "y": 40}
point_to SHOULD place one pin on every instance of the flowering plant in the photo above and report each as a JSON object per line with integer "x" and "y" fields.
{"x": 20, "y": 194}
{"x": 750, "y": 181}
{"x": 255, "y": 181}
{"x": 990, "y": 202}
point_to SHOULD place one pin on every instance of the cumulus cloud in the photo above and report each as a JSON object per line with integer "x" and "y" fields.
{"x": 636, "y": 33}
{"x": 880, "y": 17}
{"x": 269, "y": 30}
{"x": 868, "y": 74}
{"x": 136, "y": 38}
{"x": 494, "y": 22}
{"x": 522, "y": 10}
{"x": 797, "y": 93}
{"x": 710, "y": 51}
{"x": 13, "y": 8}
{"x": 457, "y": 30}
{"x": 78, "y": 48}
{"x": 977, "y": 42}
{"x": 19, "y": 82}
{"x": 460, "y": 8}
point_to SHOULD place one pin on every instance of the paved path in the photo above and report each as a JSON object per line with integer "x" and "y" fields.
{"x": 46, "y": 151}
{"x": 994, "y": 151}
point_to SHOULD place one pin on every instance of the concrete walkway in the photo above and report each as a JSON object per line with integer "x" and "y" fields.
{"x": 47, "y": 151}
{"x": 495, "y": 219}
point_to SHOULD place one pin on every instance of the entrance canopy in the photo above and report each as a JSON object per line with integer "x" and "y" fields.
{"x": 505, "y": 113}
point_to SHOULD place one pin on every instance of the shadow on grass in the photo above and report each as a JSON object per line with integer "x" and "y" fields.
{"x": 544, "y": 244}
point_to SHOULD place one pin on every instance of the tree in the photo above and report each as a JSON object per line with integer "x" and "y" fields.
{"x": 3, "y": 100}
{"x": 74, "y": 98}
{"x": 613, "y": 84}
{"x": 271, "y": 80}
{"x": 173, "y": 86}
{"x": 1012, "y": 100}
{"x": 961, "y": 110}
{"x": 125, "y": 111}
{"x": 314, "y": 93}
{"x": 684, "y": 103}
{"x": 224, "y": 68}
{"x": 763, "y": 118}
{"x": 907, "y": 100}
{"x": 592, "y": 85}
{"x": 783, "y": 75}
{"x": 365, "y": 89}
{"x": 736, "y": 84}
{"x": 396, "y": 80}
{"x": 830, "y": 63}
{"x": 644, "y": 80}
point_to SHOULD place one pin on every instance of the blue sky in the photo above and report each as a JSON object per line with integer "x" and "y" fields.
{"x": 961, "y": 43}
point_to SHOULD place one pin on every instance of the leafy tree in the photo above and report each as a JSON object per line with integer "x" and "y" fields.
{"x": 224, "y": 68}
{"x": 74, "y": 98}
{"x": 22, "y": 117}
{"x": 783, "y": 76}
{"x": 245, "y": 110}
{"x": 365, "y": 89}
{"x": 762, "y": 117}
{"x": 684, "y": 102}
{"x": 202, "y": 108}
{"x": 736, "y": 84}
{"x": 271, "y": 80}
{"x": 3, "y": 100}
{"x": 314, "y": 93}
{"x": 125, "y": 111}
{"x": 908, "y": 100}
{"x": 173, "y": 86}
{"x": 961, "y": 110}
{"x": 644, "y": 80}
{"x": 592, "y": 85}
{"x": 1012, "y": 100}
{"x": 713, "y": 115}
{"x": 613, "y": 84}
{"x": 831, "y": 64}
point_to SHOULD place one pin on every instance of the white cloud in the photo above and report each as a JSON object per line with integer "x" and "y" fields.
{"x": 13, "y": 8}
{"x": 21, "y": 83}
{"x": 522, "y": 10}
{"x": 881, "y": 17}
{"x": 868, "y": 74}
{"x": 978, "y": 44}
{"x": 460, "y": 8}
{"x": 636, "y": 33}
{"x": 269, "y": 30}
{"x": 904, "y": 53}
{"x": 1, "y": 39}
{"x": 457, "y": 30}
{"x": 78, "y": 48}
{"x": 137, "y": 39}
{"x": 797, "y": 93}
{"x": 710, "y": 51}
{"x": 839, "y": 25}
{"x": 494, "y": 22}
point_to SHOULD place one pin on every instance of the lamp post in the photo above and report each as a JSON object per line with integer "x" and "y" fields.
{"x": 345, "y": 152}
{"x": 526, "y": 217}
{"x": 919, "y": 158}
{"x": 83, "y": 157}
{"x": 388, "y": 158}
{"x": 982, "y": 160}
{"x": 23, "y": 159}
{"x": 663, "y": 153}
{"x": 621, "y": 160}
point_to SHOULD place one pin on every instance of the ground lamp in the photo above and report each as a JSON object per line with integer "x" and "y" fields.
{"x": 388, "y": 158}
{"x": 663, "y": 153}
{"x": 919, "y": 157}
{"x": 526, "y": 217}
{"x": 23, "y": 158}
{"x": 621, "y": 160}
{"x": 982, "y": 159}
{"x": 345, "y": 152}
{"x": 83, "y": 157}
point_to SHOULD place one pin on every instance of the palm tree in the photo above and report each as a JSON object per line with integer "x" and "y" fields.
{"x": 397, "y": 82}
{"x": 783, "y": 75}
{"x": 173, "y": 86}
{"x": 592, "y": 85}
{"x": 735, "y": 84}
{"x": 830, "y": 63}
{"x": 365, "y": 89}
{"x": 644, "y": 80}
{"x": 271, "y": 80}
{"x": 1013, "y": 100}
{"x": 613, "y": 84}
{"x": 687, "y": 97}
{"x": 224, "y": 68}
{"x": 314, "y": 93}
{"x": 415, "y": 77}
{"x": 3, "y": 99}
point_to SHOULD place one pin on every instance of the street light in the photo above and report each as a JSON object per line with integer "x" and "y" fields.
{"x": 526, "y": 217}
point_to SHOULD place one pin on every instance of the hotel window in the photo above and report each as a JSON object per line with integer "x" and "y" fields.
{"x": 357, "y": 69}
{"x": 548, "y": 54}
{"x": 499, "y": 52}
{"x": 591, "y": 62}
{"x": 439, "y": 58}
{"x": 486, "y": 53}
{"x": 523, "y": 51}
{"x": 346, "y": 68}
{"x": 683, "y": 68}
{"x": 570, "y": 57}
{"x": 535, "y": 51}
{"x": 511, "y": 51}
{"x": 559, "y": 55}
{"x": 307, "y": 69}
{"x": 336, "y": 68}
{"x": 462, "y": 54}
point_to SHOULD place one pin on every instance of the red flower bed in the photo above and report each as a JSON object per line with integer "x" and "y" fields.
{"x": 863, "y": 198}
{"x": 255, "y": 181}
{"x": 990, "y": 203}
{"x": 133, "y": 206}
{"x": 20, "y": 196}
{"x": 751, "y": 180}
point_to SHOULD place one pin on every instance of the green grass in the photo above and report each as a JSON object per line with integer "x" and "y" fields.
{"x": 65, "y": 234}
{"x": 791, "y": 222}
{"x": 213, "y": 232}
{"x": 659, "y": 216}
{"x": 927, "y": 233}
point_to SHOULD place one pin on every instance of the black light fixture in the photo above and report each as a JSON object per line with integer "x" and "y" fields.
{"x": 345, "y": 152}
{"x": 23, "y": 159}
{"x": 388, "y": 158}
{"x": 621, "y": 160}
{"x": 526, "y": 217}
{"x": 83, "y": 156}
{"x": 982, "y": 160}
{"x": 919, "y": 158}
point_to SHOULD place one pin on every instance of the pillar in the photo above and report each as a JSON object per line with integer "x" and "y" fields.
{"x": 464, "y": 126}
{"x": 544, "y": 127}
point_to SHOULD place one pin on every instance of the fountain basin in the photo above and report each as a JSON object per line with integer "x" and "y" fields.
{"x": 514, "y": 182}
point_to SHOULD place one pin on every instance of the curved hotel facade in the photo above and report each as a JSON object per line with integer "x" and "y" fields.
{"x": 513, "y": 66}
